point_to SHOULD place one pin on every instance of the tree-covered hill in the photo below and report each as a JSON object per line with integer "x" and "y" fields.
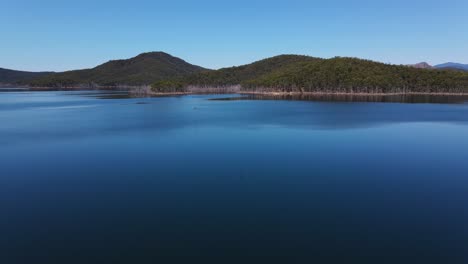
{"x": 13, "y": 77}
{"x": 351, "y": 75}
{"x": 284, "y": 73}
{"x": 233, "y": 75}
{"x": 337, "y": 75}
{"x": 143, "y": 69}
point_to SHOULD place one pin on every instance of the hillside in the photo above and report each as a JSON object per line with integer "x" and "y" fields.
{"x": 351, "y": 75}
{"x": 13, "y": 77}
{"x": 143, "y": 69}
{"x": 300, "y": 74}
{"x": 231, "y": 76}
{"x": 284, "y": 73}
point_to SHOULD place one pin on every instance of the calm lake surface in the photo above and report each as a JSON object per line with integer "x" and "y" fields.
{"x": 95, "y": 177}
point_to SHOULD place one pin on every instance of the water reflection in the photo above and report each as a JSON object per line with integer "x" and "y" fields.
{"x": 408, "y": 98}
{"x": 174, "y": 179}
{"x": 13, "y": 89}
{"x": 54, "y": 115}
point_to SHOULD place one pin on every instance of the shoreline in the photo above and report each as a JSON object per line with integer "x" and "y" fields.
{"x": 141, "y": 92}
{"x": 312, "y": 94}
{"x": 351, "y": 94}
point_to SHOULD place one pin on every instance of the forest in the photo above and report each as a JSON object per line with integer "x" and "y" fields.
{"x": 302, "y": 74}
{"x": 281, "y": 74}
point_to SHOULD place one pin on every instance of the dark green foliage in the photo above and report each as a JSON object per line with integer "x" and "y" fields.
{"x": 237, "y": 75}
{"x": 15, "y": 77}
{"x": 285, "y": 73}
{"x": 143, "y": 69}
{"x": 301, "y": 74}
{"x": 234, "y": 75}
{"x": 169, "y": 86}
{"x": 350, "y": 75}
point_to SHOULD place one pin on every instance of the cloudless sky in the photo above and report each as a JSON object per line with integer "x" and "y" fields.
{"x": 62, "y": 35}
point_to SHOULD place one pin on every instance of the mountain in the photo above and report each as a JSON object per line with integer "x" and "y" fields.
{"x": 302, "y": 74}
{"x": 143, "y": 69}
{"x": 352, "y": 75}
{"x": 452, "y": 65}
{"x": 421, "y": 65}
{"x": 13, "y": 77}
{"x": 284, "y": 73}
{"x": 232, "y": 76}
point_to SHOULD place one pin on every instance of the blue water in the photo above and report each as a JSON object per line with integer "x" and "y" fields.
{"x": 95, "y": 177}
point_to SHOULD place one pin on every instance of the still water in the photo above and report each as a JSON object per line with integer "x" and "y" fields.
{"x": 96, "y": 177}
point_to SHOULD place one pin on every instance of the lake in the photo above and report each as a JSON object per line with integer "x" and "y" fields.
{"x": 97, "y": 177}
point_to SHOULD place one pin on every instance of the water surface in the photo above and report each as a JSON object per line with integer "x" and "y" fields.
{"x": 96, "y": 177}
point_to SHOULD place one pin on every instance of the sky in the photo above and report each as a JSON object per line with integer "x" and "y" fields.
{"x": 53, "y": 35}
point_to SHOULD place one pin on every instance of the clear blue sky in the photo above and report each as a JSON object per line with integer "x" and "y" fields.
{"x": 62, "y": 35}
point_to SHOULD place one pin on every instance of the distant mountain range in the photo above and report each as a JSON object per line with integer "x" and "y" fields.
{"x": 452, "y": 65}
{"x": 444, "y": 66}
{"x": 280, "y": 74}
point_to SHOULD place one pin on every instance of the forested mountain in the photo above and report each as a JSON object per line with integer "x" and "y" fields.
{"x": 301, "y": 74}
{"x": 13, "y": 77}
{"x": 284, "y": 73}
{"x": 350, "y": 75}
{"x": 143, "y": 69}
{"x": 232, "y": 76}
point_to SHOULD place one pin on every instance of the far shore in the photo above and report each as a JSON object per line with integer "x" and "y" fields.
{"x": 146, "y": 91}
{"x": 311, "y": 93}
